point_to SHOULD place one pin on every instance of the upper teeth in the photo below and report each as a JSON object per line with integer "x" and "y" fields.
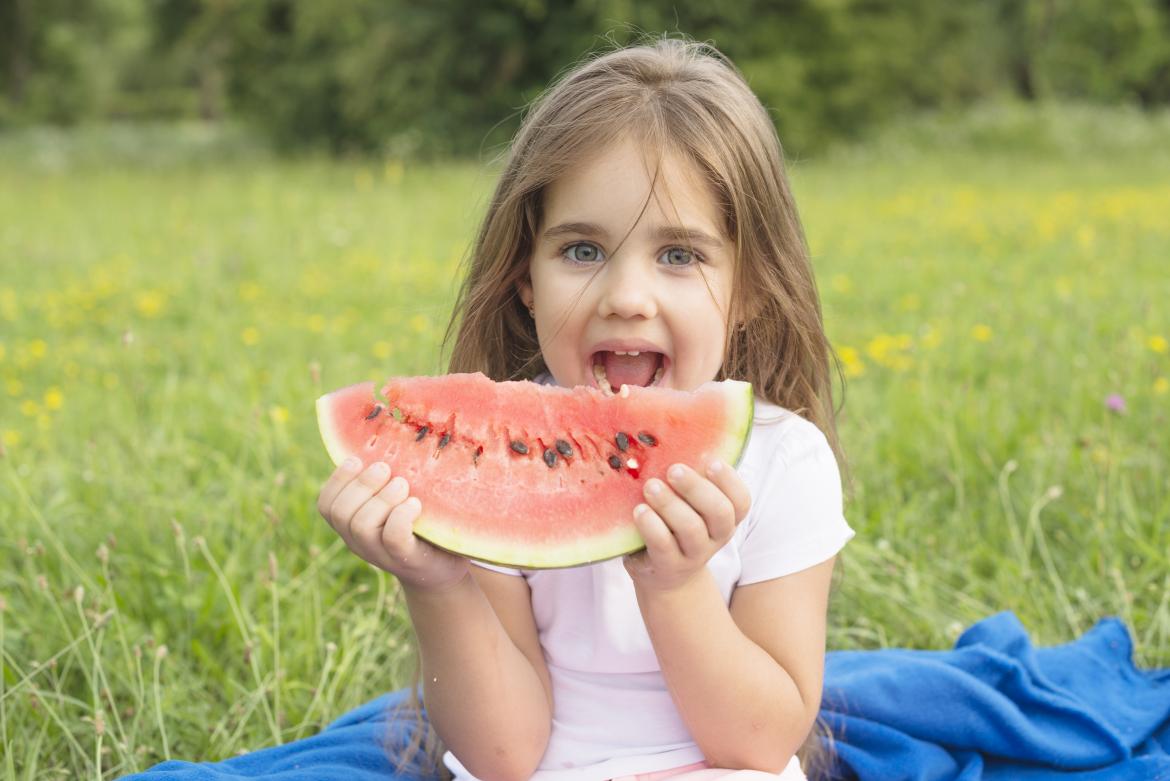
{"x": 627, "y": 352}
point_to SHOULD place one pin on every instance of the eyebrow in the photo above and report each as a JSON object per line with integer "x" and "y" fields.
{"x": 662, "y": 233}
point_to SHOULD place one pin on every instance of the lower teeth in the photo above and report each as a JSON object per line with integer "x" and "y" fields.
{"x": 607, "y": 389}
{"x": 602, "y": 382}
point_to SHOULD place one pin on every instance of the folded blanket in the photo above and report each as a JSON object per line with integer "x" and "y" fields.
{"x": 994, "y": 708}
{"x": 349, "y": 749}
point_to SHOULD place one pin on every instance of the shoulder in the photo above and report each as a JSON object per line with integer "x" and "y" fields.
{"x": 796, "y": 519}
{"x": 781, "y": 437}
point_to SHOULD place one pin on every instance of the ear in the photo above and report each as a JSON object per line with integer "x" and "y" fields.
{"x": 524, "y": 290}
{"x": 748, "y": 311}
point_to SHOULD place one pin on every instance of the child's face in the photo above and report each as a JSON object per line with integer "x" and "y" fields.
{"x": 594, "y": 299}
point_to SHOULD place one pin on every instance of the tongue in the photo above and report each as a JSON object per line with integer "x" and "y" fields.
{"x": 632, "y": 370}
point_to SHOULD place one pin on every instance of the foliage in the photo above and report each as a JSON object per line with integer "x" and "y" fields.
{"x": 448, "y": 77}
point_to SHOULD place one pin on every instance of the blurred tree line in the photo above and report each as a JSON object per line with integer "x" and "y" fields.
{"x": 451, "y": 77}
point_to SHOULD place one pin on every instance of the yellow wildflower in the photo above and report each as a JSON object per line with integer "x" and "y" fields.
{"x": 30, "y": 408}
{"x": 278, "y": 414}
{"x": 1161, "y": 386}
{"x": 981, "y": 333}
{"x": 54, "y": 398}
{"x": 316, "y": 323}
{"x": 381, "y": 349}
{"x": 851, "y": 361}
{"x": 1158, "y": 343}
{"x": 37, "y": 348}
{"x": 841, "y": 283}
{"x": 890, "y": 350}
{"x": 250, "y": 336}
{"x": 420, "y": 323}
{"x": 150, "y": 303}
{"x": 14, "y": 386}
{"x": 249, "y": 291}
{"x": 11, "y": 438}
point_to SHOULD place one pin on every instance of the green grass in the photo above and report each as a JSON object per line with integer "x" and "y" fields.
{"x": 168, "y": 590}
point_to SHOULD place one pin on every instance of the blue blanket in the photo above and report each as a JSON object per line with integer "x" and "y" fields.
{"x": 994, "y": 707}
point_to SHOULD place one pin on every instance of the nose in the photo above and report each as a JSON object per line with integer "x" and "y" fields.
{"x": 628, "y": 289}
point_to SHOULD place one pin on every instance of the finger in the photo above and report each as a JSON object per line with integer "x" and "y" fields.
{"x": 732, "y": 485}
{"x": 707, "y": 499}
{"x": 398, "y": 532}
{"x": 345, "y": 472}
{"x": 358, "y": 492}
{"x": 662, "y": 544}
{"x": 689, "y": 529}
{"x": 365, "y": 528}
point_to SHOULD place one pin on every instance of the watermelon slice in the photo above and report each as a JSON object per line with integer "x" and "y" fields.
{"x": 531, "y": 475}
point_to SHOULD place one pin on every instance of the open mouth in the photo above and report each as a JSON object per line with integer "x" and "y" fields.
{"x": 633, "y": 368}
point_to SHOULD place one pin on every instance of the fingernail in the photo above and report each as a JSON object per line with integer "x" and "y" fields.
{"x": 675, "y": 472}
{"x": 378, "y": 468}
{"x": 654, "y": 487}
{"x": 714, "y": 466}
{"x": 353, "y": 462}
{"x": 640, "y": 509}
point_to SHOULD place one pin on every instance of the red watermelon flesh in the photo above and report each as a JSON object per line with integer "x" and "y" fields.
{"x": 531, "y": 475}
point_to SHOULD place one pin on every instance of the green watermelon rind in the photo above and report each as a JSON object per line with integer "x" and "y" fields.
{"x": 445, "y": 532}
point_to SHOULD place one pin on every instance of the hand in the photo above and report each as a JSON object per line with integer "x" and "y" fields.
{"x": 374, "y": 514}
{"x": 685, "y": 522}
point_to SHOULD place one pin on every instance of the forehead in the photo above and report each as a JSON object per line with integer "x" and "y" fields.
{"x": 613, "y": 188}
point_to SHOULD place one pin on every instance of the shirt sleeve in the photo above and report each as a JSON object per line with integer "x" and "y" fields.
{"x": 798, "y": 519}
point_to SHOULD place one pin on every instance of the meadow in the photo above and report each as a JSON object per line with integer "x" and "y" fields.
{"x": 171, "y": 305}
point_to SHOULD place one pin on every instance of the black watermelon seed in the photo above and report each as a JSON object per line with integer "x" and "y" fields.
{"x": 550, "y": 458}
{"x": 443, "y": 440}
{"x": 564, "y": 448}
{"x": 615, "y": 462}
{"x": 374, "y": 413}
{"x": 646, "y": 439}
{"x": 422, "y": 432}
{"x": 623, "y": 441}
{"x": 520, "y": 447}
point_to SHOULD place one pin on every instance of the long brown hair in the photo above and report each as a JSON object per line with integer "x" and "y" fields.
{"x": 673, "y": 96}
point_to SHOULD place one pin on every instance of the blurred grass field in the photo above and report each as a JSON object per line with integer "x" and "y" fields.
{"x": 169, "y": 312}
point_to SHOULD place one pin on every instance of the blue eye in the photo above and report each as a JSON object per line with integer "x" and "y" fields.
{"x": 680, "y": 256}
{"x": 589, "y": 257}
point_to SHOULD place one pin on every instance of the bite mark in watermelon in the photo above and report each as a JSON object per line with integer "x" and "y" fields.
{"x": 529, "y": 475}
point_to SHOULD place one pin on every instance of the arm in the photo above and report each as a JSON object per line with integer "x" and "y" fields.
{"x": 746, "y": 678}
{"x": 465, "y": 624}
{"x": 473, "y": 670}
{"x": 747, "y": 681}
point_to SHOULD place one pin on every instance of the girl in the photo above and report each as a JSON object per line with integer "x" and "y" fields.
{"x": 642, "y": 233}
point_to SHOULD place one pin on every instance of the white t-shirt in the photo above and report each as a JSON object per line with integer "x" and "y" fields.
{"x": 613, "y": 714}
